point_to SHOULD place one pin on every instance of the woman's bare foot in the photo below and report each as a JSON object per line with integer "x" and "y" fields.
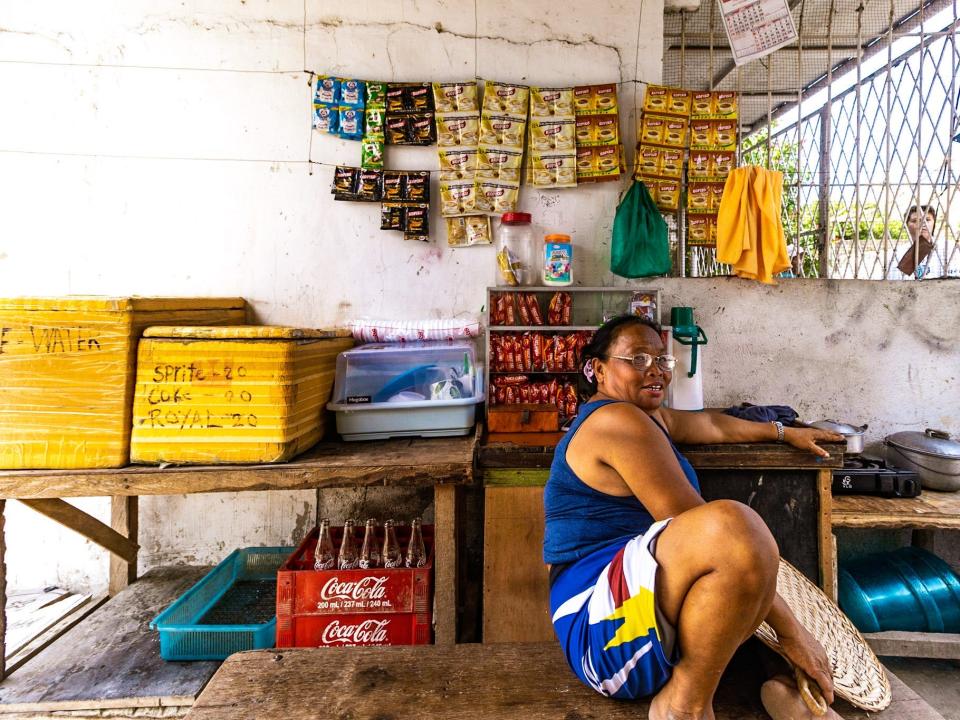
{"x": 662, "y": 708}
{"x": 782, "y": 701}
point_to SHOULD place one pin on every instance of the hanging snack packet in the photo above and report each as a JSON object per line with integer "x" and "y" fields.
{"x": 656, "y": 99}
{"x": 371, "y": 152}
{"x": 368, "y": 187}
{"x": 457, "y": 163}
{"x": 328, "y": 90}
{"x": 397, "y": 129}
{"x": 417, "y": 186}
{"x": 499, "y": 163}
{"x": 456, "y": 231}
{"x": 478, "y": 230}
{"x": 458, "y": 198}
{"x": 554, "y": 170}
{"x": 680, "y": 101}
{"x": 374, "y": 121}
{"x": 421, "y": 129}
{"x": 417, "y": 219}
{"x": 555, "y": 134}
{"x": 504, "y": 130}
{"x": 497, "y": 196}
{"x": 702, "y": 103}
{"x": 551, "y": 102}
{"x": 459, "y": 129}
{"x": 504, "y": 98}
{"x": 325, "y": 118}
{"x": 351, "y": 123}
{"x": 345, "y": 182}
{"x": 393, "y": 185}
{"x": 352, "y": 93}
{"x": 376, "y": 95}
{"x": 455, "y": 97}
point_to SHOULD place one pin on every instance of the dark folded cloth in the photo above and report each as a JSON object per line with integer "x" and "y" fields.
{"x": 763, "y": 413}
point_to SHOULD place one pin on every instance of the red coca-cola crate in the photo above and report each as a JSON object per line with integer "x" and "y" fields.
{"x": 378, "y": 606}
{"x": 345, "y": 630}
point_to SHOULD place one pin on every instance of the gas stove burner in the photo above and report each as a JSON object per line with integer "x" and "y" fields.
{"x": 864, "y": 475}
{"x": 853, "y": 462}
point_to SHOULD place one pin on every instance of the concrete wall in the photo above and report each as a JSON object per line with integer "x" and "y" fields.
{"x": 161, "y": 147}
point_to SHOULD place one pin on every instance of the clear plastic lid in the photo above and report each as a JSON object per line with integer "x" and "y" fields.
{"x": 406, "y": 373}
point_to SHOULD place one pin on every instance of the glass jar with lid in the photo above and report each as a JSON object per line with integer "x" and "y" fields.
{"x": 515, "y": 250}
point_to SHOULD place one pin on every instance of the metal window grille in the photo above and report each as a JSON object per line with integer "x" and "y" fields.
{"x": 861, "y": 116}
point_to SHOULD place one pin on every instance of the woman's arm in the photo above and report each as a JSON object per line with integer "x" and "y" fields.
{"x": 708, "y": 427}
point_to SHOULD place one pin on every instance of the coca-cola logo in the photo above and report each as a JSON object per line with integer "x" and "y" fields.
{"x": 369, "y": 632}
{"x": 368, "y": 588}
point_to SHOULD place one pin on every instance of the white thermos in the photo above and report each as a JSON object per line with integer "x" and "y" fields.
{"x": 685, "y": 341}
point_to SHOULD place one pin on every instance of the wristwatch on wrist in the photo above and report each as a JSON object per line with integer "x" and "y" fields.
{"x": 779, "y": 426}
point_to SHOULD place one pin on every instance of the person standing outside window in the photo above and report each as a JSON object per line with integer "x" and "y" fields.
{"x": 922, "y": 263}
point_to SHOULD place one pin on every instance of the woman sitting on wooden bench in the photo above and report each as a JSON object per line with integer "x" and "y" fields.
{"x": 653, "y": 589}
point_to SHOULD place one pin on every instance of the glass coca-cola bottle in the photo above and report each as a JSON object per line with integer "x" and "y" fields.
{"x": 348, "y": 559}
{"x": 324, "y": 557}
{"x": 392, "y": 555}
{"x": 370, "y": 552}
{"x": 416, "y": 552}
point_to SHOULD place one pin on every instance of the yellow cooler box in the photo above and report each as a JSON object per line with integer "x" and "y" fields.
{"x": 249, "y": 394}
{"x": 67, "y": 373}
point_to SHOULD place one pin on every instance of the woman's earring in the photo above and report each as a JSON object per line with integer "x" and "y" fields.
{"x": 588, "y": 372}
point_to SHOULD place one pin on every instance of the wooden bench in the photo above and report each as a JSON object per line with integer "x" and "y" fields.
{"x": 508, "y": 681}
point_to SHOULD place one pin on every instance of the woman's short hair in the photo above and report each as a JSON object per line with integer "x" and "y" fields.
{"x": 924, "y": 210}
{"x": 606, "y": 335}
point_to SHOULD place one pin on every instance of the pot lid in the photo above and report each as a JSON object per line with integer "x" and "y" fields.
{"x": 839, "y": 427}
{"x": 935, "y": 443}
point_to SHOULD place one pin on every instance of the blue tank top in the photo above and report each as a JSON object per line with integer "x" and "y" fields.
{"x": 580, "y": 519}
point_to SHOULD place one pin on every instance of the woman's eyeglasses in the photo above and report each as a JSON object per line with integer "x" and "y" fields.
{"x": 641, "y": 361}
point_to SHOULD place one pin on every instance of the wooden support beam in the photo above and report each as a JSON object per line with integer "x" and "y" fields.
{"x": 124, "y": 519}
{"x": 91, "y": 528}
{"x": 3, "y": 593}
{"x": 828, "y": 576}
{"x": 445, "y": 563}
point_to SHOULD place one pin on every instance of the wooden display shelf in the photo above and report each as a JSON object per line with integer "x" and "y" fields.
{"x": 931, "y": 509}
{"x": 409, "y": 462}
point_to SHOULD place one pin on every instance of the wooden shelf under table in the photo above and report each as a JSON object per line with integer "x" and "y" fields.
{"x": 931, "y": 509}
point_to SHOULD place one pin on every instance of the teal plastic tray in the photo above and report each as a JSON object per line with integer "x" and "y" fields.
{"x": 232, "y": 608}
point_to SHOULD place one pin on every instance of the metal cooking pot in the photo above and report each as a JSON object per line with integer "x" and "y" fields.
{"x": 852, "y": 433}
{"x": 931, "y": 454}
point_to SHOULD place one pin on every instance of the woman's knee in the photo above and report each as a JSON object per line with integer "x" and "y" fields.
{"x": 741, "y": 539}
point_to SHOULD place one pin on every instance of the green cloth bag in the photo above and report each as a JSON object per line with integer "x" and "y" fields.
{"x": 640, "y": 247}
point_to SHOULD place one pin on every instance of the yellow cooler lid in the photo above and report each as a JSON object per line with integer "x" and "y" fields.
{"x": 243, "y": 332}
{"x": 95, "y": 303}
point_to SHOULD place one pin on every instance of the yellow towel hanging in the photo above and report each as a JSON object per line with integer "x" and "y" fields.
{"x": 749, "y": 227}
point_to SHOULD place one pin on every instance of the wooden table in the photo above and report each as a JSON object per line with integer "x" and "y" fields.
{"x": 789, "y": 488}
{"x": 444, "y": 463}
{"x": 459, "y": 682}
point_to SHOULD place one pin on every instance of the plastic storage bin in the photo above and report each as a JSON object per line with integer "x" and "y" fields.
{"x": 67, "y": 373}
{"x": 378, "y": 606}
{"x": 231, "y": 609}
{"x": 410, "y": 389}
{"x": 246, "y": 394}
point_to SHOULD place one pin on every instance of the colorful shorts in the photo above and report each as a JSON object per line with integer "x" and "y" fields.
{"x": 607, "y": 620}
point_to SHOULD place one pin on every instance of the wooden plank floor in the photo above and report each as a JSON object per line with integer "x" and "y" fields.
{"x": 464, "y": 681}
{"x": 112, "y": 658}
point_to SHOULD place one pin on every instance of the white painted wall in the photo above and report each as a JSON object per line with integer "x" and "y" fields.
{"x": 157, "y": 147}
